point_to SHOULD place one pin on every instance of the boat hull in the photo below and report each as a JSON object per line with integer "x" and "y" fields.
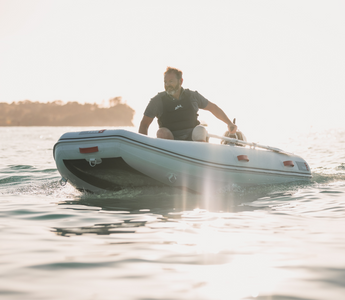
{"x": 115, "y": 159}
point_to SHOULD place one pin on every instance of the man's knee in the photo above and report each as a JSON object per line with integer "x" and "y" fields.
{"x": 199, "y": 134}
{"x": 165, "y": 133}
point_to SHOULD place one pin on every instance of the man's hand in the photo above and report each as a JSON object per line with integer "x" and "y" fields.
{"x": 232, "y": 128}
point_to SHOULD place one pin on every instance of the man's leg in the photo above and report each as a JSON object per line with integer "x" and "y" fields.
{"x": 165, "y": 133}
{"x": 199, "y": 134}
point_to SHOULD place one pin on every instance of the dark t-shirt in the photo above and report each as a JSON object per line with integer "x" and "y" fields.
{"x": 155, "y": 109}
{"x": 155, "y": 106}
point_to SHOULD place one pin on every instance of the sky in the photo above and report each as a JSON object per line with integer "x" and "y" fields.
{"x": 275, "y": 66}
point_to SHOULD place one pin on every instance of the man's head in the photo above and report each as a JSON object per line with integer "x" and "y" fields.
{"x": 173, "y": 81}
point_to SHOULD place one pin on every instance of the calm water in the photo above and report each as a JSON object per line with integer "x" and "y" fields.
{"x": 265, "y": 243}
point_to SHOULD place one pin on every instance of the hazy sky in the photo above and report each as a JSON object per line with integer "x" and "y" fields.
{"x": 270, "y": 64}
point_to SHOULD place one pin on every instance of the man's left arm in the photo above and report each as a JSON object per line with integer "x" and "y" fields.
{"x": 220, "y": 114}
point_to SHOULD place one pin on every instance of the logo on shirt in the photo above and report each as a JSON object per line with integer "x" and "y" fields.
{"x": 178, "y": 106}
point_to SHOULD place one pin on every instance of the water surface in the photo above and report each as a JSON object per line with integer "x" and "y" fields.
{"x": 272, "y": 242}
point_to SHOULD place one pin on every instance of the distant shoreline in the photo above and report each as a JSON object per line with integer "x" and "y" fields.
{"x": 57, "y": 113}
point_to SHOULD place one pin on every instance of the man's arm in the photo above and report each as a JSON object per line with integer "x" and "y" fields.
{"x": 145, "y": 124}
{"x": 220, "y": 114}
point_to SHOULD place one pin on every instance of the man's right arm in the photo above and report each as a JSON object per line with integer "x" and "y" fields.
{"x": 145, "y": 124}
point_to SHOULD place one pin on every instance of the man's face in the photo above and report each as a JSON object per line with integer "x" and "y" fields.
{"x": 172, "y": 84}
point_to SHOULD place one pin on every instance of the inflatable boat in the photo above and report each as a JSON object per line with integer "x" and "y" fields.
{"x": 100, "y": 160}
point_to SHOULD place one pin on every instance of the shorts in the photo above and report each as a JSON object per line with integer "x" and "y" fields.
{"x": 183, "y": 135}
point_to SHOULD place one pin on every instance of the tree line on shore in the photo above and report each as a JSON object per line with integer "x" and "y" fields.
{"x": 58, "y": 113}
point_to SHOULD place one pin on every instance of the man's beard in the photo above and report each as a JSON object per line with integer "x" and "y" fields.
{"x": 172, "y": 90}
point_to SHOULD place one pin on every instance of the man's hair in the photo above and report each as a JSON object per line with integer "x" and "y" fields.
{"x": 177, "y": 72}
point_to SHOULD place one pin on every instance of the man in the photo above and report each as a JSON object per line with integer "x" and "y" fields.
{"x": 176, "y": 110}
